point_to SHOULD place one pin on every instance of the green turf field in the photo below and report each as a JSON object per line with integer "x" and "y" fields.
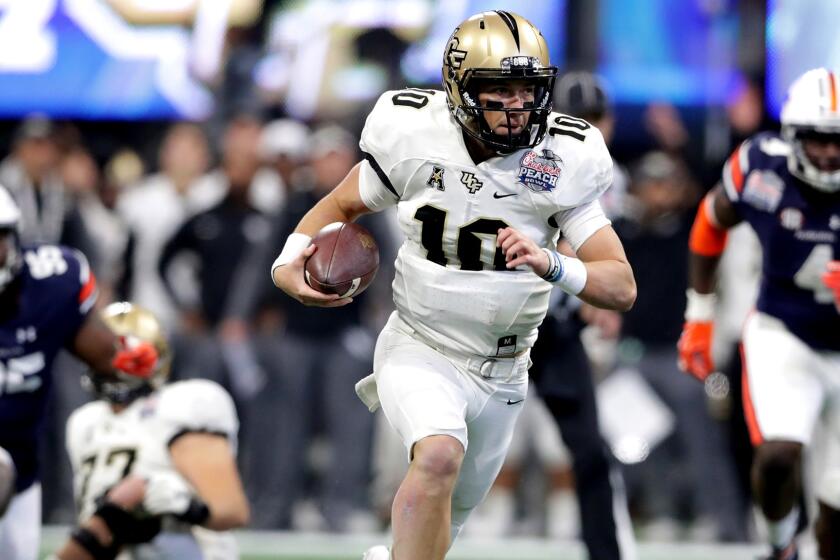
{"x": 298, "y": 546}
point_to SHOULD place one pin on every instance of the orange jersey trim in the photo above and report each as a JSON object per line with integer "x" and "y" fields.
{"x": 707, "y": 238}
{"x": 832, "y": 88}
{"x": 737, "y": 172}
{"x": 88, "y": 288}
{"x": 749, "y": 411}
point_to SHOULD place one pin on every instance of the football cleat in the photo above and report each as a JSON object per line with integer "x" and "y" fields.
{"x": 790, "y": 552}
{"x": 377, "y": 552}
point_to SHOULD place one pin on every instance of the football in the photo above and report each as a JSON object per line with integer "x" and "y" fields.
{"x": 345, "y": 262}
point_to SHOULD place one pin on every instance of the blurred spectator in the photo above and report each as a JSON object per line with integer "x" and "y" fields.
{"x": 284, "y": 146}
{"x": 32, "y": 174}
{"x": 215, "y": 239}
{"x": 84, "y": 180}
{"x": 312, "y": 364}
{"x": 155, "y": 207}
{"x": 693, "y": 467}
{"x": 583, "y": 95}
{"x": 242, "y": 162}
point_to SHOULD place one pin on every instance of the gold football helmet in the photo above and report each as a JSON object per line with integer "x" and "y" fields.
{"x": 134, "y": 324}
{"x": 502, "y": 46}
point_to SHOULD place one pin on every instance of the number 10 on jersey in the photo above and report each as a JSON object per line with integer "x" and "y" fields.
{"x": 469, "y": 239}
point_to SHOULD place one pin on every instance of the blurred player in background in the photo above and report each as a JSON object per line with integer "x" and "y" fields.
{"x": 563, "y": 376}
{"x": 788, "y": 189}
{"x": 179, "y": 438}
{"x": 563, "y": 379}
{"x": 46, "y": 294}
{"x": 485, "y": 180}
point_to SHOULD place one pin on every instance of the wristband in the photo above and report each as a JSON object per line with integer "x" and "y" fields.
{"x": 699, "y": 307}
{"x": 295, "y": 245}
{"x": 125, "y": 527}
{"x": 567, "y": 273}
{"x": 87, "y": 540}
{"x": 197, "y": 512}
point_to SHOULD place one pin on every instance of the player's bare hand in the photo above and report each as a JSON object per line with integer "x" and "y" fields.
{"x": 290, "y": 278}
{"x": 520, "y": 249}
{"x": 128, "y": 493}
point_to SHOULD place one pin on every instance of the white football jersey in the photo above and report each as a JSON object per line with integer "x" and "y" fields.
{"x": 105, "y": 446}
{"x": 451, "y": 284}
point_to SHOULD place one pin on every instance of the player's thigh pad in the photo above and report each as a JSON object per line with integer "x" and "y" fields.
{"x": 420, "y": 390}
{"x": 20, "y": 528}
{"x": 784, "y": 385}
{"x": 491, "y": 431}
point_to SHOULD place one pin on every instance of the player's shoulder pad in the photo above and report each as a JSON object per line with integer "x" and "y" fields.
{"x": 401, "y": 120}
{"x": 583, "y": 156}
{"x": 762, "y": 151}
{"x": 47, "y": 262}
{"x": 82, "y": 421}
{"x": 197, "y": 405}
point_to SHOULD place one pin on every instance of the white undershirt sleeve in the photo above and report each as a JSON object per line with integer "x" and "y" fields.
{"x": 579, "y": 223}
{"x": 374, "y": 193}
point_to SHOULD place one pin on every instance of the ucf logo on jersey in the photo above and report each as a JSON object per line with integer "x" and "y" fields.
{"x": 469, "y": 180}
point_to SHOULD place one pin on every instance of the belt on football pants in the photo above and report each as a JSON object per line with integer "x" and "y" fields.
{"x": 488, "y": 367}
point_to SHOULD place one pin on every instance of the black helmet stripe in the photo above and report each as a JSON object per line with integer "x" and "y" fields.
{"x": 511, "y": 23}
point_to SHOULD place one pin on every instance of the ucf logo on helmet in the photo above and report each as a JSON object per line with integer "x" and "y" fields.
{"x": 455, "y": 57}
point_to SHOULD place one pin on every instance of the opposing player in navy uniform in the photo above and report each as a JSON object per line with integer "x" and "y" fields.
{"x": 788, "y": 189}
{"x": 46, "y": 294}
{"x": 484, "y": 178}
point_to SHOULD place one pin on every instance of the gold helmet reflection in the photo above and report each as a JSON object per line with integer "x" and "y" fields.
{"x": 497, "y": 45}
{"x": 135, "y": 324}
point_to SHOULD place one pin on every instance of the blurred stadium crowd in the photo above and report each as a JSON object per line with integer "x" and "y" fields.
{"x": 184, "y": 218}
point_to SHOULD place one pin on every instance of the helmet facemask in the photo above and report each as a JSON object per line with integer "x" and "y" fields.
{"x": 471, "y": 114}
{"x": 132, "y": 324}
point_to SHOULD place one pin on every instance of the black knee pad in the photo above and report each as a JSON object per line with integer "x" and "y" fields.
{"x": 827, "y": 531}
{"x": 778, "y": 463}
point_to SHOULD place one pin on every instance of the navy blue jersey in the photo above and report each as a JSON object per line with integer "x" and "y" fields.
{"x": 57, "y": 290}
{"x": 799, "y": 231}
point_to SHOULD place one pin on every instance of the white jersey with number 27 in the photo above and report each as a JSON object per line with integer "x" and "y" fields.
{"x": 106, "y": 446}
{"x": 451, "y": 284}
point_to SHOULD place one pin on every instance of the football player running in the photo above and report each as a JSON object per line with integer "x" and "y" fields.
{"x": 788, "y": 189}
{"x": 46, "y": 294}
{"x": 178, "y": 440}
{"x": 485, "y": 179}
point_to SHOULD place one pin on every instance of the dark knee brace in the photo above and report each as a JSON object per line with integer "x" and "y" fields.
{"x": 827, "y": 530}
